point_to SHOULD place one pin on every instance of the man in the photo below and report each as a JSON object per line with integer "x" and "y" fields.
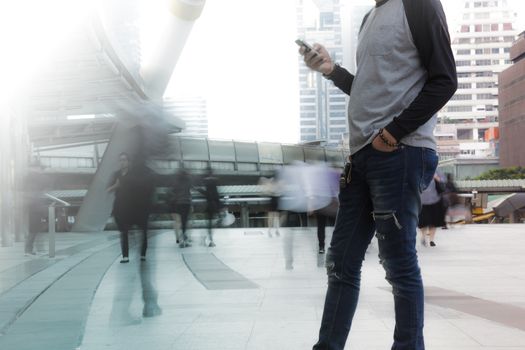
{"x": 181, "y": 205}
{"x": 133, "y": 187}
{"x": 405, "y": 74}
{"x": 213, "y": 201}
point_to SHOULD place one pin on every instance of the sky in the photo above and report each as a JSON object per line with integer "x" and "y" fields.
{"x": 242, "y": 58}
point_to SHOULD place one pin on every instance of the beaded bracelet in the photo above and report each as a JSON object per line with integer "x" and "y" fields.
{"x": 385, "y": 140}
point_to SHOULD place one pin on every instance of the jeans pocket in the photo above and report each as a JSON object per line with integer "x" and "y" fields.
{"x": 429, "y": 165}
{"x": 395, "y": 151}
{"x": 386, "y": 223}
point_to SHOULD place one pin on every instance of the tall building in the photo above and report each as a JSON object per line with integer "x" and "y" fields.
{"x": 192, "y": 111}
{"x": 322, "y": 105}
{"x": 481, "y": 45}
{"x": 512, "y": 107}
{"x": 352, "y": 15}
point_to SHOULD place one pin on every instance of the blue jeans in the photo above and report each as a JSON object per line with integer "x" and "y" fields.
{"x": 383, "y": 197}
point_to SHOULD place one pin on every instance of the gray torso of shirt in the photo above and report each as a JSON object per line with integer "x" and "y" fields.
{"x": 389, "y": 76}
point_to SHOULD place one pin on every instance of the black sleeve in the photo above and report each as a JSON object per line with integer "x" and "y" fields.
{"x": 429, "y": 29}
{"x": 341, "y": 78}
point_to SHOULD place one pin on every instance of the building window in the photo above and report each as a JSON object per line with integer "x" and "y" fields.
{"x": 482, "y": 15}
{"x": 507, "y": 26}
{"x": 451, "y": 109}
{"x": 482, "y": 62}
{"x": 486, "y": 27}
{"x": 495, "y": 62}
{"x": 308, "y": 122}
{"x": 494, "y": 27}
{"x": 485, "y": 85}
{"x": 479, "y": 52}
{"x": 464, "y": 75}
{"x": 506, "y": 50}
{"x": 465, "y": 29}
{"x": 508, "y": 39}
{"x": 463, "y": 52}
{"x": 307, "y": 100}
{"x": 462, "y": 97}
{"x": 484, "y": 96}
{"x": 337, "y": 107}
{"x": 464, "y": 86}
{"x": 338, "y": 130}
{"x": 495, "y": 50}
{"x": 484, "y": 74}
{"x": 478, "y": 28}
{"x": 337, "y": 122}
{"x": 464, "y": 41}
{"x": 465, "y": 134}
{"x": 462, "y": 63}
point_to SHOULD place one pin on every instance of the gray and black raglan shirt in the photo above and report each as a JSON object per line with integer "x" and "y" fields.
{"x": 405, "y": 73}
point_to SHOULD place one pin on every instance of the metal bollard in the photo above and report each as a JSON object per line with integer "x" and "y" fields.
{"x": 51, "y": 228}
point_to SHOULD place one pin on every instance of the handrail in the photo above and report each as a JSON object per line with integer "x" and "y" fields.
{"x": 53, "y": 198}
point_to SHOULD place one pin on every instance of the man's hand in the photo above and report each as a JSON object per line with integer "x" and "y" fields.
{"x": 379, "y": 145}
{"x": 318, "y": 59}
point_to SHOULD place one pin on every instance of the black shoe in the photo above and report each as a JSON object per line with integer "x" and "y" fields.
{"x": 321, "y": 250}
{"x": 143, "y": 258}
{"x": 432, "y": 244}
{"x": 124, "y": 261}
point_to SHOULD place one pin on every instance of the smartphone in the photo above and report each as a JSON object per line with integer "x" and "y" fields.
{"x": 307, "y": 47}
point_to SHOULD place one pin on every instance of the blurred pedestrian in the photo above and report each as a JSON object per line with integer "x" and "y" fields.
{"x": 328, "y": 186}
{"x": 133, "y": 187}
{"x": 181, "y": 206}
{"x": 451, "y": 199}
{"x": 433, "y": 211}
{"x": 270, "y": 187}
{"x": 213, "y": 202}
{"x": 37, "y": 206}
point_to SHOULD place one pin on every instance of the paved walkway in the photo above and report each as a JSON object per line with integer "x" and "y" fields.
{"x": 253, "y": 291}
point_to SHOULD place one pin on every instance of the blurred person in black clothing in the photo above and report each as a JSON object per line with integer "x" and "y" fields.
{"x": 213, "y": 201}
{"x": 37, "y": 207}
{"x": 133, "y": 187}
{"x": 180, "y": 205}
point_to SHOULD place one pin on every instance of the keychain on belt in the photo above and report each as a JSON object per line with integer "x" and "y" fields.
{"x": 346, "y": 175}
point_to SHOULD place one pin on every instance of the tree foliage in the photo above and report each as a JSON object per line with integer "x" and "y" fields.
{"x": 513, "y": 173}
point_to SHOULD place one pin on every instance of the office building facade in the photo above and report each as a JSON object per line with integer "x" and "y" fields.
{"x": 481, "y": 45}
{"x": 322, "y": 105}
{"x": 193, "y": 111}
{"x": 512, "y": 107}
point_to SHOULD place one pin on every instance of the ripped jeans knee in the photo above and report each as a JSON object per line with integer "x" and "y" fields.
{"x": 331, "y": 270}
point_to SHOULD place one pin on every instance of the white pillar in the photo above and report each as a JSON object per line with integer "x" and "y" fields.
{"x": 157, "y": 71}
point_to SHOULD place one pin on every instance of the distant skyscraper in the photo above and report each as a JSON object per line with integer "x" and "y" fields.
{"x": 322, "y": 105}
{"x": 352, "y": 15}
{"x": 481, "y": 47}
{"x": 194, "y": 113}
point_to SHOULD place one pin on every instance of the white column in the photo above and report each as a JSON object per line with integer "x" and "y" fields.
{"x": 157, "y": 71}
